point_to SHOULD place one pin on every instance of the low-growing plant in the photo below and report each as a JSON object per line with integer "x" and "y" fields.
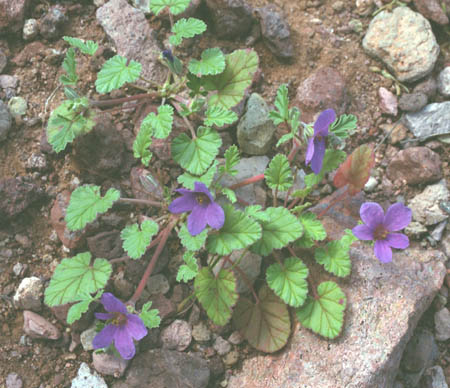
{"x": 211, "y": 221}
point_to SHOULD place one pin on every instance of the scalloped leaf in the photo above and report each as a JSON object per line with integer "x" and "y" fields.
{"x": 192, "y": 243}
{"x": 265, "y": 325}
{"x": 88, "y": 47}
{"x": 136, "y": 240}
{"x": 278, "y": 174}
{"x": 212, "y": 62}
{"x": 324, "y": 315}
{"x": 219, "y": 116}
{"x": 313, "y": 230}
{"x": 69, "y": 65}
{"x": 344, "y": 126}
{"x": 175, "y": 6}
{"x": 188, "y": 180}
{"x": 186, "y": 28}
{"x": 189, "y": 270}
{"x": 281, "y": 114}
{"x": 76, "y": 276}
{"x": 78, "y": 309}
{"x": 160, "y": 123}
{"x": 232, "y": 159}
{"x": 142, "y": 143}
{"x": 150, "y": 317}
{"x": 85, "y": 203}
{"x": 216, "y": 294}
{"x": 116, "y": 72}
{"x": 238, "y": 231}
{"x": 288, "y": 281}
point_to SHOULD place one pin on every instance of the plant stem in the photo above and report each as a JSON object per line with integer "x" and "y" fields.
{"x": 141, "y": 202}
{"x": 294, "y": 150}
{"x": 244, "y": 277}
{"x": 116, "y": 101}
{"x": 189, "y": 125}
{"x": 291, "y": 251}
{"x": 247, "y": 181}
{"x": 125, "y": 258}
{"x": 148, "y": 271}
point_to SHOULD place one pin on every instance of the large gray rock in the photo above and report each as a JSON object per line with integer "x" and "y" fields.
{"x": 131, "y": 34}
{"x": 444, "y": 82}
{"x": 29, "y": 294}
{"x": 404, "y": 41}
{"x": 87, "y": 379}
{"x": 5, "y": 121}
{"x": 385, "y": 302}
{"x": 432, "y": 120}
{"x": 425, "y": 206}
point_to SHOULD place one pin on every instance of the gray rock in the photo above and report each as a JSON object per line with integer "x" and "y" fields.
{"x": 13, "y": 380}
{"x": 131, "y": 34}
{"x": 157, "y": 284}
{"x": 434, "y": 378}
{"x": 432, "y": 120}
{"x": 412, "y": 102}
{"x": 106, "y": 244}
{"x": 369, "y": 350}
{"x": 425, "y": 206}
{"x": 221, "y": 346}
{"x": 442, "y": 324}
{"x": 8, "y": 81}
{"x": 371, "y": 184}
{"x": 428, "y": 87}
{"x": 232, "y": 358}
{"x": 255, "y": 129}
{"x": 177, "y": 336}
{"x": 142, "y": 5}
{"x": 29, "y": 294}
{"x": 364, "y": 7}
{"x": 86, "y": 338}
{"x": 3, "y": 60}
{"x": 432, "y": 10}
{"x": 87, "y": 379}
{"x": 5, "y": 121}
{"x": 201, "y": 333}
{"x": 388, "y": 101}
{"x": 443, "y": 82}
{"x": 109, "y": 364}
{"x": 30, "y": 29}
{"x": 52, "y": 24}
{"x": 11, "y": 15}
{"x": 18, "y": 269}
{"x": 38, "y": 327}
{"x": 275, "y": 31}
{"x": 17, "y": 106}
{"x": 445, "y": 244}
{"x": 404, "y": 41}
{"x": 160, "y": 368}
{"x": 438, "y": 231}
{"x": 235, "y": 338}
{"x": 420, "y": 353}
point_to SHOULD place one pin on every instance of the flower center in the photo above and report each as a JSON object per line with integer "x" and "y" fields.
{"x": 202, "y": 199}
{"x": 380, "y": 232}
{"x": 119, "y": 319}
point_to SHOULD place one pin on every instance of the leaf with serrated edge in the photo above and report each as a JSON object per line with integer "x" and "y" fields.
{"x": 230, "y": 85}
{"x": 217, "y": 115}
{"x": 212, "y": 63}
{"x": 195, "y": 155}
{"x": 189, "y": 270}
{"x": 135, "y": 240}
{"x": 324, "y": 315}
{"x": 69, "y": 66}
{"x": 160, "y": 123}
{"x": 282, "y": 104}
{"x": 255, "y": 211}
{"x": 141, "y": 145}
{"x": 175, "y": 6}
{"x": 192, "y": 243}
{"x": 312, "y": 226}
{"x": 216, "y": 294}
{"x": 265, "y": 325}
{"x": 75, "y": 276}
{"x": 238, "y": 231}
{"x": 281, "y": 228}
{"x": 288, "y": 281}
{"x": 78, "y": 309}
{"x": 343, "y": 126}
{"x": 115, "y": 73}
{"x": 85, "y": 203}
{"x": 186, "y": 28}
{"x": 278, "y": 174}
{"x": 150, "y": 318}
{"x": 188, "y": 180}
{"x": 86, "y": 47}
{"x": 229, "y": 194}
{"x": 231, "y": 160}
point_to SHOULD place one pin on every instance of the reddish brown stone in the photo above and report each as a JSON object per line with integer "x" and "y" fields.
{"x": 12, "y": 14}
{"x": 432, "y": 10}
{"x": 38, "y": 327}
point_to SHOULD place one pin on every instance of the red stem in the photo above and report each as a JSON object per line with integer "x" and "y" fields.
{"x": 247, "y": 181}
{"x": 244, "y": 277}
{"x": 116, "y": 101}
{"x": 141, "y": 201}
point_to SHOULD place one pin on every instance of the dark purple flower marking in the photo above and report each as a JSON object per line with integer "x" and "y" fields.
{"x": 204, "y": 211}
{"x": 122, "y": 327}
{"x": 379, "y": 227}
{"x": 316, "y": 145}
{"x": 168, "y": 55}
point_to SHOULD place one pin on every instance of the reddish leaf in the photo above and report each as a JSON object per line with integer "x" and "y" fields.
{"x": 355, "y": 171}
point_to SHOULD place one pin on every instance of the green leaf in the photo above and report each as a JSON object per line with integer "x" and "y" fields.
{"x": 288, "y": 281}
{"x": 230, "y": 85}
{"x": 65, "y": 124}
{"x": 135, "y": 240}
{"x": 186, "y": 28}
{"x": 212, "y": 63}
{"x": 281, "y": 114}
{"x": 188, "y": 180}
{"x": 278, "y": 175}
{"x": 78, "y": 309}
{"x": 85, "y": 203}
{"x": 231, "y": 160}
{"x": 115, "y": 73}
{"x": 265, "y": 325}
{"x": 344, "y": 126}
{"x": 189, "y": 270}
{"x": 283, "y": 139}
{"x": 161, "y": 123}
{"x": 192, "y": 243}
{"x": 313, "y": 230}
{"x": 150, "y": 318}
{"x": 279, "y": 230}
{"x": 88, "y": 47}
{"x": 331, "y": 161}
{"x": 238, "y": 231}
{"x": 229, "y": 194}
{"x": 69, "y": 65}
{"x": 141, "y": 145}
{"x": 294, "y": 119}
{"x": 75, "y": 276}
{"x": 175, "y": 6}
{"x": 195, "y": 155}
{"x": 217, "y": 294}
{"x": 256, "y": 212}
{"x": 325, "y": 314}
{"x": 217, "y": 115}
{"x": 335, "y": 255}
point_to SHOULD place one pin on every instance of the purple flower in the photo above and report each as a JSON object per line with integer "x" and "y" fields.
{"x": 122, "y": 327}
{"x": 379, "y": 227}
{"x": 204, "y": 211}
{"x": 316, "y": 145}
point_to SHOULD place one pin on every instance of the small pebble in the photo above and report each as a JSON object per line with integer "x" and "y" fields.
{"x": 30, "y": 29}
{"x": 13, "y": 380}
{"x": 231, "y": 358}
{"x": 221, "y": 346}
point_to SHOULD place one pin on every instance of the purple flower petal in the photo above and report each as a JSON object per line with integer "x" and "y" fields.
{"x": 183, "y": 191}
{"x": 104, "y": 316}
{"x": 363, "y": 232}
{"x": 319, "y": 153}
{"x": 196, "y": 221}
{"x": 183, "y": 204}
{"x": 371, "y": 214}
{"x": 136, "y": 327}
{"x": 124, "y": 343}
{"x": 200, "y": 187}
{"x": 398, "y": 216}
{"x": 215, "y": 217}
{"x": 325, "y": 119}
{"x": 309, "y": 151}
{"x": 383, "y": 251}
{"x": 397, "y": 240}
{"x": 112, "y": 304}
{"x": 105, "y": 337}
